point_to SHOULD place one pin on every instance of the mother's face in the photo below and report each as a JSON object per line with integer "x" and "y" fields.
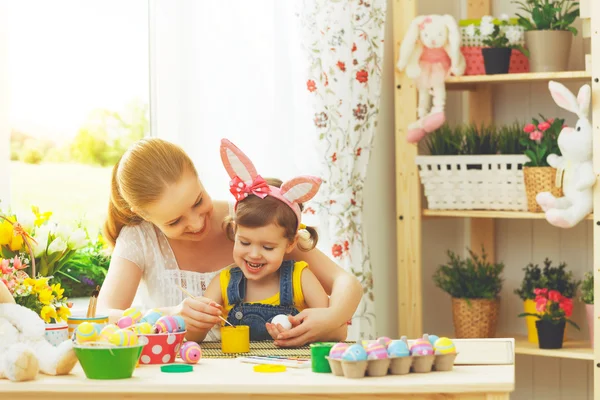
{"x": 184, "y": 211}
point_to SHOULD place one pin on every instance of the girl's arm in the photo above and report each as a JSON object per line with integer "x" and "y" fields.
{"x": 212, "y": 293}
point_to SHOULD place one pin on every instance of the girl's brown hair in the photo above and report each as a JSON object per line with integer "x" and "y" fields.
{"x": 140, "y": 178}
{"x": 254, "y": 212}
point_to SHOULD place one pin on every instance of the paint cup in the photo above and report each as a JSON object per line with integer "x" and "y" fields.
{"x": 74, "y": 320}
{"x": 235, "y": 339}
{"x": 318, "y": 356}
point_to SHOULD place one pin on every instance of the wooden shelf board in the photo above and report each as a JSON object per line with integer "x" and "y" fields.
{"x": 486, "y": 214}
{"x": 575, "y": 349}
{"x": 458, "y": 81}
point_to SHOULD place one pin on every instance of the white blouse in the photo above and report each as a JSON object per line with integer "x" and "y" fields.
{"x": 148, "y": 248}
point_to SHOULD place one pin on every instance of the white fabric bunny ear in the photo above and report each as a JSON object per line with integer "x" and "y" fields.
{"x": 236, "y": 163}
{"x": 301, "y": 188}
{"x": 565, "y": 99}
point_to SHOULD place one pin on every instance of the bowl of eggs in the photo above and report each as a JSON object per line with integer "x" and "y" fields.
{"x": 162, "y": 334}
{"x": 396, "y": 357}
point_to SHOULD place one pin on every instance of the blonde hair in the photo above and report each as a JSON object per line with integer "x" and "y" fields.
{"x": 254, "y": 212}
{"x": 140, "y": 178}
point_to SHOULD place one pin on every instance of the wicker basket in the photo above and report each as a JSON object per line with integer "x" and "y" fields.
{"x": 537, "y": 180}
{"x": 478, "y": 182}
{"x": 475, "y": 318}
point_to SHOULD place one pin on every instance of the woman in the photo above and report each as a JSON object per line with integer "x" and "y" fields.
{"x": 167, "y": 233}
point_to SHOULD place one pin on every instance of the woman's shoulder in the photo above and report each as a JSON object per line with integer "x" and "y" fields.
{"x": 144, "y": 232}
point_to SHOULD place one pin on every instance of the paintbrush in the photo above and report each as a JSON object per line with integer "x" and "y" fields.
{"x": 91, "y": 311}
{"x": 193, "y": 297}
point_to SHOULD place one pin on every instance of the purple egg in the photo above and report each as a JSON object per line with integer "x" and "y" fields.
{"x": 376, "y": 351}
{"x": 166, "y": 324}
{"x": 337, "y": 350}
{"x": 421, "y": 347}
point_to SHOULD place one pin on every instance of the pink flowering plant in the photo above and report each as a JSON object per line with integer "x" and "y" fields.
{"x": 552, "y": 306}
{"x": 541, "y": 139}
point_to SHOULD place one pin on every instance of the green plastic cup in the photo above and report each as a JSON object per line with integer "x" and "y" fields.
{"x": 108, "y": 362}
{"x": 318, "y": 352}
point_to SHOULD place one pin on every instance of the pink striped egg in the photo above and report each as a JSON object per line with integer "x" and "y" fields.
{"x": 337, "y": 350}
{"x": 421, "y": 347}
{"x": 376, "y": 351}
{"x": 166, "y": 324}
{"x": 190, "y": 352}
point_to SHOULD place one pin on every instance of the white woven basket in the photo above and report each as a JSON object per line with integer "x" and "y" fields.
{"x": 479, "y": 182}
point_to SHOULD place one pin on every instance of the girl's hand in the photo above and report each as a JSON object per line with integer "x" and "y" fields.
{"x": 308, "y": 326}
{"x": 274, "y": 329}
{"x": 200, "y": 313}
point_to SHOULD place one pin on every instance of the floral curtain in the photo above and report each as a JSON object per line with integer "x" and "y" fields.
{"x": 343, "y": 41}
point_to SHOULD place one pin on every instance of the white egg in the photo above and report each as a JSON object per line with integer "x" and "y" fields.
{"x": 283, "y": 320}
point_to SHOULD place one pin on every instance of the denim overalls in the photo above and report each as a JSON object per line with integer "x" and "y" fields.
{"x": 257, "y": 315}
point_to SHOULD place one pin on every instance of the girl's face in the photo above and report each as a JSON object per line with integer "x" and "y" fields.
{"x": 184, "y": 212}
{"x": 259, "y": 252}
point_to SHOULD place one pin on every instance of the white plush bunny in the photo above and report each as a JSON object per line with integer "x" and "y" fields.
{"x": 429, "y": 52}
{"x": 575, "y": 166}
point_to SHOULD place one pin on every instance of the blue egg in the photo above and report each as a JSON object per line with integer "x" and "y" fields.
{"x": 433, "y": 339}
{"x": 398, "y": 348}
{"x": 356, "y": 352}
{"x": 180, "y": 322}
{"x": 152, "y": 316}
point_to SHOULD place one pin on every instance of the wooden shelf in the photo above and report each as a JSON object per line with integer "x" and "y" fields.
{"x": 486, "y": 214}
{"x": 458, "y": 82}
{"x": 574, "y": 349}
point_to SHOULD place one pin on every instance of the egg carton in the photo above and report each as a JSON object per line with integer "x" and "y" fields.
{"x": 392, "y": 365}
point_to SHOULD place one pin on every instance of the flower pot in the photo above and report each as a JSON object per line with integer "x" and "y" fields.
{"x": 57, "y": 333}
{"x": 589, "y": 310}
{"x": 549, "y": 50}
{"x": 532, "y": 335}
{"x": 496, "y": 60}
{"x": 537, "y": 180}
{"x": 550, "y": 335}
{"x": 475, "y": 318}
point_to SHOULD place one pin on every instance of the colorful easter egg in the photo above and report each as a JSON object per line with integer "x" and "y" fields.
{"x": 125, "y": 322}
{"x": 432, "y": 339}
{"x": 398, "y": 348}
{"x": 180, "y": 323}
{"x": 86, "y": 332}
{"x": 385, "y": 341}
{"x": 134, "y": 313}
{"x": 107, "y": 331}
{"x": 337, "y": 350}
{"x": 444, "y": 346}
{"x": 123, "y": 337}
{"x": 166, "y": 324}
{"x": 142, "y": 328}
{"x": 376, "y": 351}
{"x": 421, "y": 347}
{"x": 190, "y": 352}
{"x": 152, "y": 316}
{"x": 356, "y": 352}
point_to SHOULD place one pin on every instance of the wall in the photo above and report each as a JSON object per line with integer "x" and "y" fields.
{"x": 517, "y": 242}
{"x": 4, "y": 102}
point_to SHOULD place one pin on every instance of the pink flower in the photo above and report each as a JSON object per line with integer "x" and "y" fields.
{"x": 18, "y": 264}
{"x": 536, "y": 135}
{"x": 543, "y": 126}
{"x": 5, "y": 267}
{"x": 540, "y": 304}
{"x": 567, "y": 306}
{"x": 529, "y": 128}
{"x": 540, "y": 292}
{"x": 550, "y": 121}
{"x": 555, "y": 296}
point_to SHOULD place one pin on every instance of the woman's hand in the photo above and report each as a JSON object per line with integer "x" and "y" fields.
{"x": 199, "y": 313}
{"x": 310, "y": 325}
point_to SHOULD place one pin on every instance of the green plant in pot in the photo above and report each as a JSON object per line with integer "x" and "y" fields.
{"x": 474, "y": 284}
{"x": 548, "y": 32}
{"x": 553, "y": 312}
{"x": 587, "y": 297}
{"x": 549, "y": 277}
{"x": 499, "y": 38}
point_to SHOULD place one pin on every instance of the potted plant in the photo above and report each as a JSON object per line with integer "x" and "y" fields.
{"x": 498, "y": 43}
{"x": 474, "y": 285}
{"x": 541, "y": 140}
{"x": 548, "y": 32}
{"x": 553, "y": 312}
{"x": 587, "y": 297}
{"x": 549, "y": 277}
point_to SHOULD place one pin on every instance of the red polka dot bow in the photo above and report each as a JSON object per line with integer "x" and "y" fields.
{"x": 240, "y": 190}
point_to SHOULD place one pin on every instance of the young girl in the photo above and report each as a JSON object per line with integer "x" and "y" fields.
{"x": 267, "y": 226}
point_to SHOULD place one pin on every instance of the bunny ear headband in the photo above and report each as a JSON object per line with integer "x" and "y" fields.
{"x": 245, "y": 181}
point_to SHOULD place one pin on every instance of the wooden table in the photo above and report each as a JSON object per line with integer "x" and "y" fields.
{"x": 232, "y": 379}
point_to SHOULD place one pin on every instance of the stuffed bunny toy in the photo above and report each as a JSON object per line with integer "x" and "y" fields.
{"x": 574, "y": 167}
{"x": 429, "y": 52}
{"x": 24, "y": 350}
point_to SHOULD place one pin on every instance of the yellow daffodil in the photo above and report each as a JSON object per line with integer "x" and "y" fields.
{"x": 47, "y": 313}
{"x": 29, "y": 282}
{"x": 58, "y": 291}
{"x": 40, "y": 284}
{"x": 40, "y": 218}
{"x": 45, "y": 296}
{"x": 63, "y": 313}
{"x": 6, "y": 233}
{"x": 16, "y": 243}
